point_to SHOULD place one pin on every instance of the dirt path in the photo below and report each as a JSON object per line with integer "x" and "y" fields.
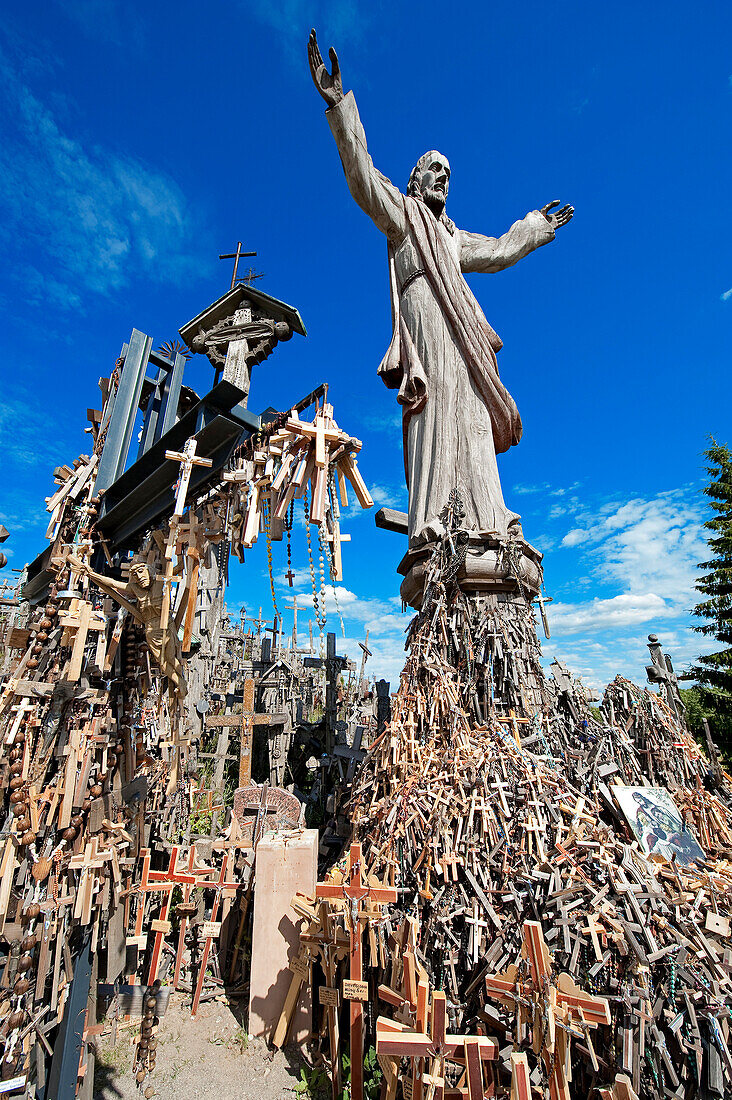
{"x": 210, "y": 1057}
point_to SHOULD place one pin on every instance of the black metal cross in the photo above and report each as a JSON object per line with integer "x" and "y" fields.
{"x": 235, "y": 256}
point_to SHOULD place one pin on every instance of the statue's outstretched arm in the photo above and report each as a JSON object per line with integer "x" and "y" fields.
{"x": 489, "y": 254}
{"x": 375, "y": 194}
{"x": 116, "y": 589}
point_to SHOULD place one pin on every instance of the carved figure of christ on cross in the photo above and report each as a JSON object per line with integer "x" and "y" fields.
{"x": 457, "y": 414}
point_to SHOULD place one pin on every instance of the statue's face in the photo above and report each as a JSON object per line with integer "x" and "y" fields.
{"x": 140, "y": 575}
{"x": 435, "y": 182}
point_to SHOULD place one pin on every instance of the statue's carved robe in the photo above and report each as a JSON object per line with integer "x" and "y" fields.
{"x": 442, "y": 358}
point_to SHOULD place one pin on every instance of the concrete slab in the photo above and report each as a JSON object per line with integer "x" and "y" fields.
{"x": 284, "y": 867}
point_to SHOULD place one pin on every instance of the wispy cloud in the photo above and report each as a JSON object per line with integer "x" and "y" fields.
{"x": 727, "y": 295}
{"x": 391, "y": 423}
{"x": 651, "y": 545}
{"x": 335, "y": 20}
{"x": 27, "y": 441}
{"x": 95, "y": 215}
{"x": 107, "y": 21}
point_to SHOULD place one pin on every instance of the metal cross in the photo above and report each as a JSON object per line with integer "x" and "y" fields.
{"x": 235, "y": 256}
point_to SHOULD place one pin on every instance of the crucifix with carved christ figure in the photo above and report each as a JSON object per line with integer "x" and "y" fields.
{"x": 555, "y": 1008}
{"x": 353, "y": 890}
{"x": 399, "y": 1040}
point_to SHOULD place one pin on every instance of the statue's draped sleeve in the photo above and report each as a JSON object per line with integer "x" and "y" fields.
{"x": 375, "y": 194}
{"x": 488, "y": 254}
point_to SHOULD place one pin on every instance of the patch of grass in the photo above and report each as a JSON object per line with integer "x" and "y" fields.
{"x": 110, "y": 1063}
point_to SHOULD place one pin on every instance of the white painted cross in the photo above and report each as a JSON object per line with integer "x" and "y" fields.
{"x": 187, "y": 458}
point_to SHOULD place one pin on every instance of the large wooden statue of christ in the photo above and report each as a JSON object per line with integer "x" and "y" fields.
{"x": 457, "y": 414}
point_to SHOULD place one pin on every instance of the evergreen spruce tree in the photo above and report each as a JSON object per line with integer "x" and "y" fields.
{"x": 713, "y": 672}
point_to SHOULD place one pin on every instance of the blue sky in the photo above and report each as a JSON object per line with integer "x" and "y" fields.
{"x": 137, "y": 141}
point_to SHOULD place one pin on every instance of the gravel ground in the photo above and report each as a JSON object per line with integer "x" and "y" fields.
{"x": 210, "y": 1056}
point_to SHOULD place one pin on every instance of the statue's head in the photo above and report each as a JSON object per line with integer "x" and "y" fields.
{"x": 430, "y": 181}
{"x": 140, "y": 575}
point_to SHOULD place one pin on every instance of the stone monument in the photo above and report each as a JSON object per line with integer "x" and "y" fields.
{"x": 442, "y": 359}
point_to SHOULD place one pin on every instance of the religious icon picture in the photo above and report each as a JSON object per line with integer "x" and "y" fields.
{"x": 657, "y": 824}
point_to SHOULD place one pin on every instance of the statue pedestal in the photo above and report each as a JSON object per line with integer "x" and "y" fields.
{"x": 491, "y": 565}
{"x": 500, "y": 579}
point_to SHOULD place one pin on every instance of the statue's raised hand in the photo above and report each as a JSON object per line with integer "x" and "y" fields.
{"x": 560, "y": 217}
{"x": 330, "y": 85}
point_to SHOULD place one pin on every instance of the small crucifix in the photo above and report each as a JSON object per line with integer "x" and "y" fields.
{"x": 235, "y": 256}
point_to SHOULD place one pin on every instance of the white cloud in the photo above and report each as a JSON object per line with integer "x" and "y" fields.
{"x": 391, "y": 423}
{"x": 646, "y": 546}
{"x": 726, "y": 295}
{"x": 646, "y": 551}
{"x": 525, "y": 489}
{"x": 96, "y": 216}
{"x": 574, "y": 537}
{"x": 385, "y": 497}
{"x": 599, "y": 614}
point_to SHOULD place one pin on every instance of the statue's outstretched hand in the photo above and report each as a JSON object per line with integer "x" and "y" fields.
{"x": 560, "y": 217}
{"x": 330, "y": 85}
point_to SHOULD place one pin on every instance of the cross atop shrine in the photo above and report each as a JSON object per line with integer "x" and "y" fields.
{"x": 235, "y": 256}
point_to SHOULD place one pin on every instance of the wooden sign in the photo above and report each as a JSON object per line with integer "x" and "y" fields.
{"x": 299, "y": 967}
{"x": 211, "y": 929}
{"x": 17, "y": 638}
{"x": 137, "y": 941}
{"x": 328, "y": 996}
{"x": 355, "y": 991}
{"x": 163, "y": 926}
{"x": 715, "y": 922}
{"x": 407, "y": 1088}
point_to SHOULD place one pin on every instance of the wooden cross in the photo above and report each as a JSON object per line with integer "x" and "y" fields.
{"x": 397, "y": 1040}
{"x": 333, "y": 944}
{"x": 353, "y": 890}
{"x": 366, "y": 654}
{"x": 188, "y": 879}
{"x": 293, "y": 607}
{"x": 162, "y": 925}
{"x": 555, "y": 1011}
{"x": 513, "y": 720}
{"x": 259, "y": 623}
{"x": 81, "y": 618}
{"x": 235, "y": 256}
{"x": 149, "y": 883}
{"x": 222, "y": 887}
{"x": 188, "y": 459}
{"x": 247, "y": 723}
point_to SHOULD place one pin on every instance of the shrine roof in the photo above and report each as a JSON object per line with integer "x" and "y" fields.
{"x": 233, "y": 299}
